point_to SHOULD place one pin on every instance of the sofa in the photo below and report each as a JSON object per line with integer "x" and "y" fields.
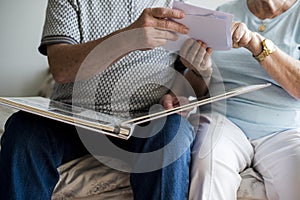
{"x": 87, "y": 178}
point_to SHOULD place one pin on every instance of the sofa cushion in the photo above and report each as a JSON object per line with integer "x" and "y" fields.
{"x": 87, "y": 178}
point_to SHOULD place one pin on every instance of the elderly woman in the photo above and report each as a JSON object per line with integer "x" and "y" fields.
{"x": 260, "y": 129}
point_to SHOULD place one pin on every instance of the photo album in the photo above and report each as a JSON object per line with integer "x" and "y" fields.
{"x": 104, "y": 123}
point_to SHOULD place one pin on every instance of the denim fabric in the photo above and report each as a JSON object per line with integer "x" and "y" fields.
{"x": 172, "y": 181}
{"x": 32, "y": 148}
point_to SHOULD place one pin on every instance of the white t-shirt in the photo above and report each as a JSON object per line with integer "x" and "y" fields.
{"x": 269, "y": 110}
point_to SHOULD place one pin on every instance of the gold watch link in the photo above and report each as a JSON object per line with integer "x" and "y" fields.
{"x": 268, "y": 48}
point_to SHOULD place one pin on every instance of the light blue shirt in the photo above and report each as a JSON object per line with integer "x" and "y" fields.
{"x": 269, "y": 110}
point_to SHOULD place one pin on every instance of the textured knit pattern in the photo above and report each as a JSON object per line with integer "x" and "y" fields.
{"x": 131, "y": 85}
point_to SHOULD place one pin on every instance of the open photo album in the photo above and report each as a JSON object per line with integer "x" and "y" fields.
{"x": 104, "y": 123}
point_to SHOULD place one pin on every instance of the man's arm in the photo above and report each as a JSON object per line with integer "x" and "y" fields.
{"x": 193, "y": 77}
{"x": 195, "y": 58}
{"x": 152, "y": 29}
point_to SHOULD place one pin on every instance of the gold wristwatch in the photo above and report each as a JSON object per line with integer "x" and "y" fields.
{"x": 268, "y": 48}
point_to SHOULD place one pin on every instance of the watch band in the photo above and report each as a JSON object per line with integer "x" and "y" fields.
{"x": 268, "y": 48}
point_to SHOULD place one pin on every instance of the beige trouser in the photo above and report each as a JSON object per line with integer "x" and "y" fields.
{"x": 221, "y": 151}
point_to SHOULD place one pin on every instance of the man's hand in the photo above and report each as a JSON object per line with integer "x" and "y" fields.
{"x": 169, "y": 101}
{"x": 196, "y": 56}
{"x": 154, "y": 27}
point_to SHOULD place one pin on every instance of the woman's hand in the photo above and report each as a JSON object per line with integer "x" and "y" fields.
{"x": 243, "y": 37}
{"x": 154, "y": 28}
{"x": 196, "y": 56}
{"x": 169, "y": 101}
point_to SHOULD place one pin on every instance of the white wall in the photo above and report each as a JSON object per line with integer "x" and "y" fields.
{"x": 21, "y": 66}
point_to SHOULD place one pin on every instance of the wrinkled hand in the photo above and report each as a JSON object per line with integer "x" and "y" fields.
{"x": 196, "y": 56}
{"x": 153, "y": 28}
{"x": 241, "y": 35}
{"x": 169, "y": 101}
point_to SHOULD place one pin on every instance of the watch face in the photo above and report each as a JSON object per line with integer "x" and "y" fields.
{"x": 270, "y": 45}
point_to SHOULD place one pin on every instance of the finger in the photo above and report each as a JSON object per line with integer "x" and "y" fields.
{"x": 234, "y": 33}
{"x": 185, "y": 48}
{"x": 200, "y": 55}
{"x": 237, "y": 34}
{"x": 206, "y": 68}
{"x": 183, "y": 100}
{"x": 167, "y": 35}
{"x": 234, "y": 27}
{"x": 170, "y": 25}
{"x": 245, "y": 38}
{"x": 193, "y": 52}
{"x": 167, "y": 13}
{"x": 168, "y": 104}
{"x": 209, "y": 51}
{"x": 206, "y": 52}
{"x": 206, "y": 56}
{"x": 240, "y": 35}
{"x": 207, "y": 63}
{"x": 163, "y": 14}
{"x": 176, "y": 102}
{"x": 167, "y": 101}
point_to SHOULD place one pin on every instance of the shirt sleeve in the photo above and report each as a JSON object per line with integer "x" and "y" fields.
{"x": 61, "y": 24}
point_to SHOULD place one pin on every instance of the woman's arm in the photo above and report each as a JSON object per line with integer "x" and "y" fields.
{"x": 280, "y": 66}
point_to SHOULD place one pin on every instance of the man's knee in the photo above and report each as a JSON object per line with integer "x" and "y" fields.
{"x": 180, "y": 134}
{"x": 24, "y": 130}
{"x": 178, "y": 125}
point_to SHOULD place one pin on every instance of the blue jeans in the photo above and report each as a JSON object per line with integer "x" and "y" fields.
{"x": 32, "y": 148}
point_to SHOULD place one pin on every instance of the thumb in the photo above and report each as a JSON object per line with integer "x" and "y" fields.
{"x": 167, "y": 101}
